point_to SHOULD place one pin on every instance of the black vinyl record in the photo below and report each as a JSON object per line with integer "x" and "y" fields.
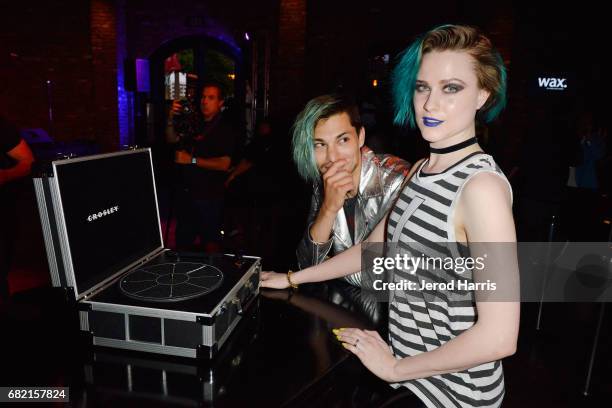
{"x": 171, "y": 282}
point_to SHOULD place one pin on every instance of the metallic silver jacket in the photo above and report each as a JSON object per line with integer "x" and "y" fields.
{"x": 382, "y": 175}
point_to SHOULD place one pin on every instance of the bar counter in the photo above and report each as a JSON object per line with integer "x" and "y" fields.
{"x": 283, "y": 353}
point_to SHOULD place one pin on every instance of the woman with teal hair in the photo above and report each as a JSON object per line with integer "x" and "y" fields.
{"x": 449, "y": 327}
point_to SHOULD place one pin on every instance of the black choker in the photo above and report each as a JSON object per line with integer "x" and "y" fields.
{"x": 455, "y": 147}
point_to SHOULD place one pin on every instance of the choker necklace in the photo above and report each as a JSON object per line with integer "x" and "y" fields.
{"x": 454, "y": 147}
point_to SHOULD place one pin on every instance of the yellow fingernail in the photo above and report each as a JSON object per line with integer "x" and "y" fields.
{"x": 345, "y": 345}
{"x": 338, "y": 338}
{"x": 336, "y": 331}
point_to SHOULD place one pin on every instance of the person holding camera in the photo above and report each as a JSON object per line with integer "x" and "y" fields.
{"x": 205, "y": 145}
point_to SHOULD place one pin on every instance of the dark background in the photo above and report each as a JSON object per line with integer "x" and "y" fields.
{"x": 84, "y": 48}
{"x": 316, "y": 46}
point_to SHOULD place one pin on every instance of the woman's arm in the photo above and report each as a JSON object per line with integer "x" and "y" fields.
{"x": 346, "y": 263}
{"x": 487, "y": 217}
{"x": 343, "y": 264}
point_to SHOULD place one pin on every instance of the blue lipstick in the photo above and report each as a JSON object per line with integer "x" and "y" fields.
{"x": 431, "y": 122}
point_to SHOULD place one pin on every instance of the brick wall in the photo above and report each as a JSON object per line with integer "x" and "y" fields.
{"x": 47, "y": 41}
{"x": 104, "y": 70}
{"x": 79, "y": 47}
{"x": 288, "y": 68}
{"x": 61, "y": 55}
{"x": 152, "y": 23}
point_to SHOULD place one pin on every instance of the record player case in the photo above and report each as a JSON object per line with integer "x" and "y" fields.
{"x": 100, "y": 220}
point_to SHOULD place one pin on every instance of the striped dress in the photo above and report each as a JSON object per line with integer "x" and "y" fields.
{"x": 422, "y": 223}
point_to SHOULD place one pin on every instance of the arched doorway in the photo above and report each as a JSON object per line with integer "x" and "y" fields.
{"x": 193, "y": 60}
{"x": 176, "y": 65}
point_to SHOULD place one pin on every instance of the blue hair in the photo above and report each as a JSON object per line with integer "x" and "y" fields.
{"x": 403, "y": 79}
{"x": 321, "y": 107}
{"x": 497, "y": 101}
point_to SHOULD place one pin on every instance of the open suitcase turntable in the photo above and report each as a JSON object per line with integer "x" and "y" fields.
{"x": 102, "y": 232}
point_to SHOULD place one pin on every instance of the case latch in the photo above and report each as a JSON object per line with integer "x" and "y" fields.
{"x": 236, "y": 301}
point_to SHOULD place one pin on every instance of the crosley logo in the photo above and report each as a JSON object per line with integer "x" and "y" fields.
{"x": 104, "y": 213}
{"x": 553, "y": 84}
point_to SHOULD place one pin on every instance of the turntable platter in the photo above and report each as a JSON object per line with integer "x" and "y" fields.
{"x": 171, "y": 282}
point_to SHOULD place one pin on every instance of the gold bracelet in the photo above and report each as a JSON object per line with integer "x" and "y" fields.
{"x": 293, "y": 285}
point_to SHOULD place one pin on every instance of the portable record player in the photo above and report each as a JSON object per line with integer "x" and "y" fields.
{"x": 103, "y": 239}
{"x": 130, "y": 377}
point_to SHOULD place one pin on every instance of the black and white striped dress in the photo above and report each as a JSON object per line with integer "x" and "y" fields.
{"x": 422, "y": 223}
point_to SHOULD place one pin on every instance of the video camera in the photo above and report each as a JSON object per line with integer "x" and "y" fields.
{"x": 186, "y": 124}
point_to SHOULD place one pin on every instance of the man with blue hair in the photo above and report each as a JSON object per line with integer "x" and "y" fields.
{"x": 353, "y": 188}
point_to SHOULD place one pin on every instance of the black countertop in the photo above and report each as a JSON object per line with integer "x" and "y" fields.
{"x": 283, "y": 353}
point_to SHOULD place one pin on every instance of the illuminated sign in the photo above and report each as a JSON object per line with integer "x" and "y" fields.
{"x": 552, "y": 84}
